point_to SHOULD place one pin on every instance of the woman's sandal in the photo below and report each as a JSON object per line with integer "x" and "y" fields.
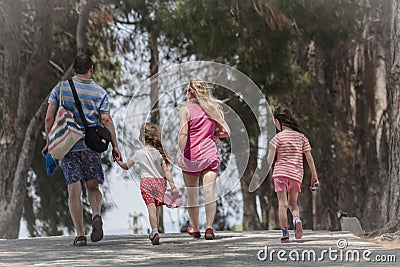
{"x": 209, "y": 235}
{"x": 192, "y": 233}
{"x": 80, "y": 241}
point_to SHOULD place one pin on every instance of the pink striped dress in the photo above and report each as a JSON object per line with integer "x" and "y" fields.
{"x": 290, "y": 146}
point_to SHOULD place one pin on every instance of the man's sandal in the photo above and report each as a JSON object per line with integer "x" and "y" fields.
{"x": 80, "y": 241}
{"x": 97, "y": 229}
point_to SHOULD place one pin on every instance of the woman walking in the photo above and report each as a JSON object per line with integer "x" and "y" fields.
{"x": 200, "y": 158}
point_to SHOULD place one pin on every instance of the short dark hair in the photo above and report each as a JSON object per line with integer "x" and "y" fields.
{"x": 82, "y": 64}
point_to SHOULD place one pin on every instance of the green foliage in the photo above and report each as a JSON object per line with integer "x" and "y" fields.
{"x": 231, "y": 32}
{"x": 260, "y": 38}
{"x": 328, "y": 23}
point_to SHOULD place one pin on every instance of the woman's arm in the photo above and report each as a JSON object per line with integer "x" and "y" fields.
{"x": 183, "y": 132}
{"x": 224, "y": 130}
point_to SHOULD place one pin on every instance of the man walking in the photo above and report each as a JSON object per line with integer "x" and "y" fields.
{"x": 81, "y": 164}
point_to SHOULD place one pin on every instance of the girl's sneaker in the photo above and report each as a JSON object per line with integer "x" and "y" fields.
{"x": 285, "y": 239}
{"x": 298, "y": 229}
{"x": 155, "y": 239}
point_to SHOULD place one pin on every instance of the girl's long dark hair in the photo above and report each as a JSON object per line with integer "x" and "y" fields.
{"x": 152, "y": 136}
{"x": 286, "y": 118}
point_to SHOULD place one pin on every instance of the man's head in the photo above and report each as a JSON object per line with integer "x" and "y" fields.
{"x": 83, "y": 64}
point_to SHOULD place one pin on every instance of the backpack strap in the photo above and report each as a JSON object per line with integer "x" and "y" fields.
{"x": 78, "y": 103}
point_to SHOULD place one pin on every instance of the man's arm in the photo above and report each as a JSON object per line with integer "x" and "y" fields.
{"x": 48, "y": 123}
{"x": 109, "y": 124}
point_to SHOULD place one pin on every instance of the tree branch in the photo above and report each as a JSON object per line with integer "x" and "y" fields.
{"x": 82, "y": 25}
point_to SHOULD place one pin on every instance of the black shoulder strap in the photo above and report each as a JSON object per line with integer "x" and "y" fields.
{"x": 78, "y": 103}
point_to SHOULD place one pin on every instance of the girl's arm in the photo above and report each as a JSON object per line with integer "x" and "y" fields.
{"x": 271, "y": 155}
{"x": 169, "y": 178}
{"x": 310, "y": 161}
{"x": 125, "y": 166}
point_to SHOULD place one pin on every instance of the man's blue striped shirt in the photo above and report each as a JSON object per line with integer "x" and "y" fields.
{"x": 94, "y": 101}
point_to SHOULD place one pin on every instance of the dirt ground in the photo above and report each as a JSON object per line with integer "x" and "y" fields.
{"x": 387, "y": 240}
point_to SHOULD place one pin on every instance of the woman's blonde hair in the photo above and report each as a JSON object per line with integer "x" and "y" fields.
{"x": 151, "y": 134}
{"x": 207, "y": 101}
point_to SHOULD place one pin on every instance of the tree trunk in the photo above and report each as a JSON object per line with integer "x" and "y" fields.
{"x": 251, "y": 219}
{"x": 246, "y": 162}
{"x": 394, "y": 111}
{"x": 269, "y": 204}
{"x": 20, "y": 95}
{"x": 370, "y": 122}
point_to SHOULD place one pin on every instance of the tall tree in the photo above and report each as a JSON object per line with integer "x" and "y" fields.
{"x": 22, "y": 80}
{"x": 394, "y": 111}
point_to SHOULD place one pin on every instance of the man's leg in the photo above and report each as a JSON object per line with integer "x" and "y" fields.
{"x": 95, "y": 196}
{"x": 95, "y": 199}
{"x": 75, "y": 207}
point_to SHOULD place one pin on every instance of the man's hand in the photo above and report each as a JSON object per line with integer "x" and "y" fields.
{"x": 44, "y": 150}
{"x": 116, "y": 154}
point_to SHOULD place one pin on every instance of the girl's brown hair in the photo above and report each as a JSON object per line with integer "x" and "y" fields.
{"x": 286, "y": 117}
{"x": 151, "y": 134}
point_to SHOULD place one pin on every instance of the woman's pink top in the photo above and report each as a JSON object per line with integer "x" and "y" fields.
{"x": 200, "y": 150}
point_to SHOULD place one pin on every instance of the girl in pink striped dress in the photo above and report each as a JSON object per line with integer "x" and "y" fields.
{"x": 200, "y": 157}
{"x": 289, "y": 145}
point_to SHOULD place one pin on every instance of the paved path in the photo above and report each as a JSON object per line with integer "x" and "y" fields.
{"x": 317, "y": 248}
